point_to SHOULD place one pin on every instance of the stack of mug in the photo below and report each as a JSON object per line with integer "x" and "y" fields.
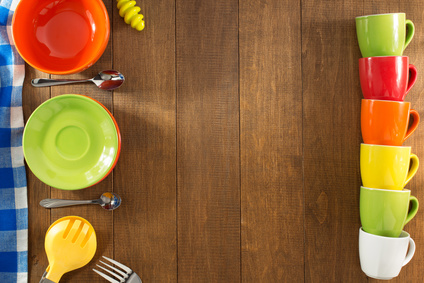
{"x": 386, "y": 166}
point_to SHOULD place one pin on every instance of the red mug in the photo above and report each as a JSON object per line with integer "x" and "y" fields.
{"x": 386, "y": 77}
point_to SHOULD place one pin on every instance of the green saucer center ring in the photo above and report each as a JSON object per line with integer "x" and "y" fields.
{"x": 72, "y": 142}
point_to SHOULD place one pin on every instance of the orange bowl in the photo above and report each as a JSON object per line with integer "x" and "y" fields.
{"x": 61, "y": 36}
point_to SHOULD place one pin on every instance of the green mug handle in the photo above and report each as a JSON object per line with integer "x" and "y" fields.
{"x": 411, "y": 31}
{"x": 413, "y": 168}
{"x": 413, "y": 202}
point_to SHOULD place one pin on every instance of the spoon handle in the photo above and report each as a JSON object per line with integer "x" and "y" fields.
{"x": 52, "y": 203}
{"x": 52, "y": 82}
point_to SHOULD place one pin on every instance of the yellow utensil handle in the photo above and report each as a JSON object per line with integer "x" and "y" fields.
{"x": 44, "y": 279}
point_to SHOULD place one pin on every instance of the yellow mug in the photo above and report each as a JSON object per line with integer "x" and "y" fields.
{"x": 387, "y": 167}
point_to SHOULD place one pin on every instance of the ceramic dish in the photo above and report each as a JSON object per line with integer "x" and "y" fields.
{"x": 61, "y": 37}
{"x": 71, "y": 142}
{"x": 119, "y": 135}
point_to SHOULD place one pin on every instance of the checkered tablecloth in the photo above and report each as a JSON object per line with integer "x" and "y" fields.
{"x": 13, "y": 191}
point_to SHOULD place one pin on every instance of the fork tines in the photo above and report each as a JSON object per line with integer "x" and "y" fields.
{"x": 118, "y": 274}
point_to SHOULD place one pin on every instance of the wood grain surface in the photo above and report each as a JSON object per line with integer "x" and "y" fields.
{"x": 271, "y": 142}
{"x": 332, "y": 137}
{"x": 240, "y": 124}
{"x": 208, "y": 159}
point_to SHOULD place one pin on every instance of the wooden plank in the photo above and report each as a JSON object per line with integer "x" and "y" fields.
{"x": 38, "y": 217}
{"x": 145, "y": 176}
{"x": 331, "y": 139}
{"x": 271, "y": 141}
{"x": 208, "y": 164}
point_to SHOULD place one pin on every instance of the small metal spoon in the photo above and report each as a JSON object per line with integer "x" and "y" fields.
{"x": 106, "y": 80}
{"x": 108, "y": 201}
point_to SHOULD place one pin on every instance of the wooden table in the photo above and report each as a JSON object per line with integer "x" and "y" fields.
{"x": 240, "y": 125}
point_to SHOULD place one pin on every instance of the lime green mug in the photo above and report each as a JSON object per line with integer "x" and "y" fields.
{"x": 386, "y": 212}
{"x": 387, "y": 167}
{"x": 383, "y": 34}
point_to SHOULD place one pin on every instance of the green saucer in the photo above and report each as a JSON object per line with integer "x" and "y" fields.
{"x": 70, "y": 142}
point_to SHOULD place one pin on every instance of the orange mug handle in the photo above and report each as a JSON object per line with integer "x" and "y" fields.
{"x": 414, "y": 125}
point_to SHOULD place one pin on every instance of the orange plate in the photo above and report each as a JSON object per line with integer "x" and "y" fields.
{"x": 61, "y": 36}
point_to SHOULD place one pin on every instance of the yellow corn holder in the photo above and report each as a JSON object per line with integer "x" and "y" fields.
{"x": 130, "y": 13}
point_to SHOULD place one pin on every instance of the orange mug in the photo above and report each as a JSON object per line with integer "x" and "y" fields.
{"x": 386, "y": 122}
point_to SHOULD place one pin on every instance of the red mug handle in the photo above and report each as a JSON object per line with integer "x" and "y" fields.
{"x": 412, "y": 77}
{"x": 414, "y": 125}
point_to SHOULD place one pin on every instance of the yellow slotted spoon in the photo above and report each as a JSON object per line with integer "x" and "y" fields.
{"x": 70, "y": 244}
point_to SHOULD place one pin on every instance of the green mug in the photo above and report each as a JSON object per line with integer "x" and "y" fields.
{"x": 386, "y": 212}
{"x": 383, "y": 34}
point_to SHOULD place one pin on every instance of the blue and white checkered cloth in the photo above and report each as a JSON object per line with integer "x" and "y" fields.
{"x": 13, "y": 191}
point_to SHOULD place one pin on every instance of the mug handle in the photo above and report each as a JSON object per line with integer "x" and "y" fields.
{"x": 413, "y": 201}
{"x": 414, "y": 125}
{"x": 413, "y": 168}
{"x": 410, "y": 253}
{"x": 411, "y": 31}
{"x": 412, "y": 77}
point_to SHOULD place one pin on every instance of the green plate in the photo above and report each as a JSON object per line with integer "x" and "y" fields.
{"x": 70, "y": 142}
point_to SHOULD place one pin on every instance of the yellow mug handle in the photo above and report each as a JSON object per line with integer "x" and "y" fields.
{"x": 413, "y": 168}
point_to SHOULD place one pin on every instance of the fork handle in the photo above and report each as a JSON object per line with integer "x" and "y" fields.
{"x": 52, "y": 203}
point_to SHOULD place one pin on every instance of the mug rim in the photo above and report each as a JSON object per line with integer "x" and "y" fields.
{"x": 387, "y": 101}
{"x": 394, "y": 191}
{"x": 383, "y": 145}
{"x": 382, "y": 14}
{"x": 382, "y": 56}
{"x": 403, "y": 235}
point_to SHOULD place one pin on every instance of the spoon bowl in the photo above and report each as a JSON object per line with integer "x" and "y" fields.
{"x": 110, "y": 201}
{"x": 106, "y": 80}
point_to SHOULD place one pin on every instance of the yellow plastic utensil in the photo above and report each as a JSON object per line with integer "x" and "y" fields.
{"x": 70, "y": 244}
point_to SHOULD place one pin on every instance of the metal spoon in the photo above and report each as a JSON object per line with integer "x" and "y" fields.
{"x": 106, "y": 80}
{"x": 108, "y": 201}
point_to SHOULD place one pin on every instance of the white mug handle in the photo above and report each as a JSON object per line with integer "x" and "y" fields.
{"x": 410, "y": 252}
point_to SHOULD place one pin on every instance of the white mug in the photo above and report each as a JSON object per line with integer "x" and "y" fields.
{"x": 383, "y": 257}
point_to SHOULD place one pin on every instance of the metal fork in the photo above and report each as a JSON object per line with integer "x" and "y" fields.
{"x": 128, "y": 276}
